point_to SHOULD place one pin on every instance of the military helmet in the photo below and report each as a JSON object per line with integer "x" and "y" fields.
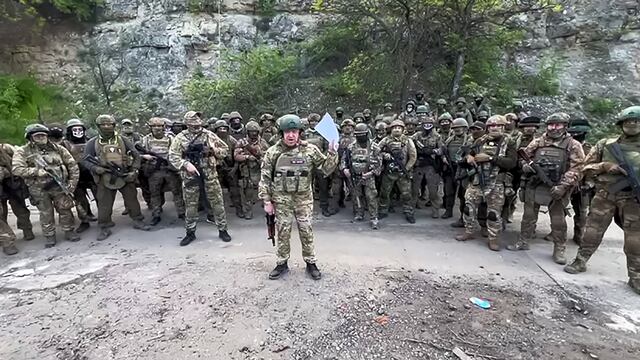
{"x": 511, "y": 117}
{"x": 224, "y": 116}
{"x": 478, "y": 125}
{"x": 517, "y": 103}
{"x": 212, "y": 121}
{"x": 361, "y": 129}
{"x": 445, "y": 116}
{"x": 483, "y": 114}
{"x": 630, "y": 113}
{"x": 496, "y": 120}
{"x": 579, "y": 126}
{"x": 422, "y": 109}
{"x": 358, "y": 115}
{"x": 235, "y": 115}
{"x": 290, "y": 122}
{"x": 105, "y": 119}
{"x": 441, "y": 102}
{"x": 381, "y": 125}
{"x": 156, "y": 121}
{"x": 397, "y": 123}
{"x": 388, "y": 105}
{"x": 220, "y": 123}
{"x": 54, "y": 125}
{"x": 347, "y": 122}
{"x": 314, "y": 117}
{"x": 459, "y": 122}
{"x": 558, "y": 118}
{"x": 193, "y": 118}
{"x": 461, "y": 100}
{"x": 252, "y": 126}
{"x": 126, "y": 121}
{"x": 266, "y": 116}
{"x": 366, "y": 112}
{"x": 35, "y": 129}
{"x": 530, "y": 121}
{"x": 75, "y": 122}
{"x": 339, "y": 109}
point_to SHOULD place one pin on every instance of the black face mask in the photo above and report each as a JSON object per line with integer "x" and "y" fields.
{"x": 362, "y": 139}
{"x": 56, "y": 133}
{"x": 419, "y": 97}
{"x": 339, "y": 115}
{"x": 580, "y": 137}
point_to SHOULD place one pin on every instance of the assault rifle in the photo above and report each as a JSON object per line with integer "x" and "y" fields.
{"x": 194, "y": 154}
{"x": 396, "y": 162}
{"x": 56, "y": 178}
{"x": 540, "y": 173}
{"x": 631, "y": 178}
{"x": 116, "y": 171}
{"x": 160, "y": 161}
{"x": 350, "y": 182}
{"x": 271, "y": 228}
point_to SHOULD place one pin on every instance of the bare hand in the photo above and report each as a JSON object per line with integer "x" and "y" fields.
{"x": 269, "y": 208}
{"x": 191, "y": 169}
{"x": 41, "y": 173}
{"x": 148, "y": 157}
{"x": 481, "y": 158}
{"x": 346, "y": 173}
{"x": 616, "y": 169}
{"x": 470, "y": 160}
{"x": 333, "y": 147}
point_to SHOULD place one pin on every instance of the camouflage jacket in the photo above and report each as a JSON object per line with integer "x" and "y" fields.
{"x": 6, "y": 153}
{"x": 571, "y": 176}
{"x": 408, "y": 149}
{"x": 216, "y": 149}
{"x": 425, "y": 146}
{"x": 246, "y": 148}
{"x": 373, "y": 158}
{"x": 57, "y": 159}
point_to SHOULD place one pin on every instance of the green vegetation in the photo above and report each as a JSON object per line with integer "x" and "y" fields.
{"x": 15, "y": 10}
{"x": 266, "y": 7}
{"x": 601, "y": 107}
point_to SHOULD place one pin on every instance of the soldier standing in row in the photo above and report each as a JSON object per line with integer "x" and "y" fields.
{"x": 388, "y": 115}
{"x": 480, "y": 105}
{"x": 248, "y": 154}
{"x": 492, "y": 156}
{"x": 614, "y": 195}
{"x": 337, "y": 185}
{"x": 75, "y": 143}
{"x": 155, "y": 151}
{"x": 227, "y": 169}
{"x": 196, "y": 153}
{"x": 452, "y": 187}
{"x": 557, "y": 158}
{"x": 462, "y": 111}
{"x": 285, "y": 189}
{"x": 14, "y": 193}
{"x": 114, "y": 164}
{"x": 399, "y": 155}
{"x": 584, "y": 192}
{"x": 52, "y": 175}
{"x": 236, "y": 128}
{"x": 320, "y": 180}
{"x": 7, "y": 236}
{"x": 429, "y": 147}
{"x": 441, "y": 108}
{"x": 360, "y": 164}
{"x": 444, "y": 125}
{"x": 269, "y": 130}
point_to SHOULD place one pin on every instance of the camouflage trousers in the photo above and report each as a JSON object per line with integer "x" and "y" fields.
{"x": 157, "y": 182}
{"x": 365, "y": 194}
{"x": 337, "y": 190}
{"x": 249, "y": 193}
{"x": 300, "y": 207}
{"x": 213, "y": 193}
{"x": 20, "y": 210}
{"x": 321, "y": 188}
{"x": 48, "y": 203}
{"x": 432, "y": 178}
{"x": 556, "y": 214}
{"x": 7, "y": 237}
{"x": 494, "y": 197}
{"x": 580, "y": 202}
{"x": 106, "y": 197}
{"x": 404, "y": 187}
{"x": 82, "y": 203}
{"x": 228, "y": 178}
{"x": 602, "y": 211}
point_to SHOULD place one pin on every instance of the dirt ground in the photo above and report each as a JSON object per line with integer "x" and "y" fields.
{"x": 399, "y": 293}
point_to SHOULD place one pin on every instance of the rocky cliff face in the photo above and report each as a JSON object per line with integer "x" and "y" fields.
{"x": 158, "y": 44}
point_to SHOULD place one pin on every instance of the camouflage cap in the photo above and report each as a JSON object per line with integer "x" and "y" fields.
{"x": 235, "y": 115}
{"x": 477, "y": 125}
{"x": 105, "y": 119}
{"x": 496, "y": 120}
{"x": 126, "y": 121}
{"x": 459, "y": 122}
{"x": 193, "y": 118}
{"x": 156, "y": 121}
{"x": 558, "y": 118}
{"x": 395, "y": 123}
{"x": 441, "y": 102}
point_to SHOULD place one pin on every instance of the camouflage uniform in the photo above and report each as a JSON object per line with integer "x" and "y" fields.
{"x": 248, "y": 154}
{"x": 337, "y": 179}
{"x": 320, "y": 180}
{"x": 399, "y": 155}
{"x": 227, "y": 168}
{"x": 142, "y": 181}
{"x": 441, "y": 108}
{"x": 269, "y": 130}
{"x": 429, "y": 147}
{"x": 584, "y": 192}
{"x": 614, "y": 197}
{"x": 7, "y": 237}
{"x": 560, "y": 158}
{"x": 452, "y": 187}
{"x": 32, "y": 162}
{"x": 480, "y": 104}
{"x": 76, "y": 146}
{"x": 462, "y": 111}
{"x": 494, "y": 155}
{"x": 286, "y": 182}
{"x": 211, "y": 151}
{"x": 236, "y": 129}
{"x": 364, "y": 163}
{"x": 13, "y": 193}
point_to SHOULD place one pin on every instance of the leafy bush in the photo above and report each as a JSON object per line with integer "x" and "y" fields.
{"x": 81, "y": 9}
{"x": 601, "y": 107}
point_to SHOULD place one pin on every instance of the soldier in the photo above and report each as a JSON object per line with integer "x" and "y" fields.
{"x": 429, "y": 147}
{"x": 615, "y": 198}
{"x": 56, "y": 133}
{"x": 196, "y": 153}
{"x": 492, "y": 156}
{"x": 528, "y": 128}
{"x": 558, "y": 158}
{"x": 366, "y": 113}
{"x": 409, "y": 112}
{"x": 52, "y": 175}
{"x": 227, "y": 169}
{"x": 399, "y": 154}
{"x": 512, "y": 128}
{"x": 477, "y": 129}
{"x": 462, "y": 111}
{"x": 168, "y": 127}
{"x": 360, "y": 164}
{"x": 155, "y": 151}
{"x": 411, "y": 125}
{"x": 452, "y": 187}
{"x": 75, "y": 143}
{"x": 441, "y": 108}
{"x": 305, "y": 126}
{"x": 480, "y": 105}
{"x": 482, "y": 116}
{"x": 129, "y": 132}
{"x": 114, "y": 164}
{"x": 444, "y": 125}
{"x": 225, "y": 117}
{"x": 14, "y": 191}
{"x": 236, "y": 128}
{"x": 248, "y": 154}
{"x": 320, "y": 181}
{"x": 584, "y": 192}
{"x": 339, "y": 115}
{"x": 269, "y": 130}
{"x": 420, "y": 100}
{"x": 285, "y": 189}
{"x": 177, "y": 126}
{"x": 518, "y": 109}
{"x": 380, "y": 132}
{"x": 513, "y": 176}
{"x": 338, "y": 179}
{"x": 389, "y": 115}
{"x": 359, "y": 118}
{"x": 7, "y": 236}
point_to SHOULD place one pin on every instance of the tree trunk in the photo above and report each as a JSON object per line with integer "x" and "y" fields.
{"x": 457, "y": 78}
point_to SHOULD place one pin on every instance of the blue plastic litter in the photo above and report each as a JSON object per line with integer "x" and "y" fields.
{"x": 481, "y": 303}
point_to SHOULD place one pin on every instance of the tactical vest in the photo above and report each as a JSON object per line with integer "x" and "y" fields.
{"x": 292, "y": 173}
{"x": 199, "y": 140}
{"x": 159, "y": 146}
{"x": 398, "y": 150}
{"x": 453, "y": 146}
{"x": 76, "y": 150}
{"x": 427, "y": 143}
{"x": 359, "y": 159}
{"x": 315, "y": 139}
{"x": 110, "y": 153}
{"x": 553, "y": 159}
{"x": 495, "y": 149}
{"x": 631, "y": 153}
{"x": 54, "y": 163}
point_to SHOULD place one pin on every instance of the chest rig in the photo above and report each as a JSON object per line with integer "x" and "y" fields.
{"x": 292, "y": 172}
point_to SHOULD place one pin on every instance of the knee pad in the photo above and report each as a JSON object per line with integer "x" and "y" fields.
{"x": 466, "y": 210}
{"x": 492, "y": 215}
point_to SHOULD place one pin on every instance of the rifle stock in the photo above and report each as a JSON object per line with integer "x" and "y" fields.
{"x": 632, "y": 178}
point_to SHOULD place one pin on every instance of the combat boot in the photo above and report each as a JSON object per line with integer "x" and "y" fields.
{"x": 313, "y": 271}
{"x": 10, "y": 250}
{"x": 458, "y": 224}
{"x": 374, "y": 224}
{"x": 239, "y": 213}
{"x": 248, "y": 215}
{"x": 140, "y": 225}
{"x": 326, "y": 212}
{"x": 465, "y": 236}
{"x": 224, "y": 235}
{"x": 410, "y": 218}
{"x": 188, "y": 239}
{"x": 104, "y": 233}
{"x": 279, "y": 270}
{"x": 50, "y": 241}
{"x": 447, "y": 214}
{"x": 211, "y": 219}
{"x": 435, "y": 213}
{"x": 155, "y": 221}
{"x": 519, "y": 245}
{"x": 484, "y": 232}
{"x": 28, "y": 235}
{"x": 357, "y": 218}
{"x": 494, "y": 244}
{"x": 84, "y": 226}
{"x": 71, "y": 236}
{"x": 558, "y": 254}
{"x": 577, "y": 266}
{"x": 91, "y": 218}
{"x": 635, "y": 285}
